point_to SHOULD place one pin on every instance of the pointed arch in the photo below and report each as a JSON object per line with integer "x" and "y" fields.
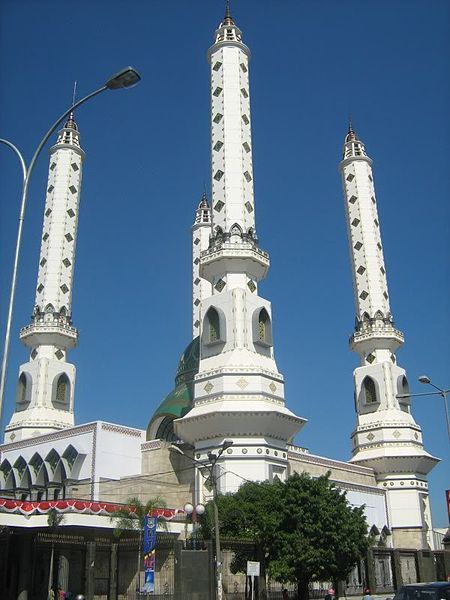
{"x": 49, "y": 309}
{"x": 35, "y": 463}
{"x": 236, "y": 229}
{"x": 369, "y": 390}
{"x": 23, "y": 392}
{"x": 52, "y": 459}
{"x": 403, "y": 390}
{"x": 262, "y": 330}
{"x": 7, "y": 478}
{"x": 213, "y": 328}
{"x": 61, "y": 392}
{"x": 378, "y": 315}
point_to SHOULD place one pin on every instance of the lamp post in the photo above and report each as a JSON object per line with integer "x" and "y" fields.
{"x": 213, "y": 458}
{"x": 195, "y": 511}
{"x": 125, "y": 78}
{"x": 440, "y": 392}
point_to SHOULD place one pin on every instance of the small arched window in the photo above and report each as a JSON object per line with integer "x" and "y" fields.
{"x": 62, "y": 390}
{"x": 403, "y": 390}
{"x": 22, "y": 389}
{"x": 369, "y": 390}
{"x": 263, "y": 326}
{"x": 213, "y": 322}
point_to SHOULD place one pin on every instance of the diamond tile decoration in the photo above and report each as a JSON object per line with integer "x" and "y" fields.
{"x": 358, "y": 246}
{"x": 66, "y": 262}
{"x": 68, "y": 237}
{"x": 251, "y": 286}
{"x": 245, "y": 119}
{"x": 220, "y": 285}
{"x": 218, "y": 145}
{"x": 246, "y": 147}
{"x": 370, "y": 437}
{"x": 197, "y": 302}
{"x": 273, "y": 387}
{"x": 217, "y": 66}
{"x": 196, "y": 261}
{"x": 385, "y": 295}
{"x": 355, "y": 222}
{"x": 242, "y": 383}
{"x": 373, "y": 199}
{"x": 219, "y": 205}
{"x": 52, "y": 166}
{"x": 59, "y": 355}
{"x": 208, "y": 387}
{"x": 370, "y": 177}
{"x": 352, "y": 199}
{"x": 416, "y": 435}
{"x": 40, "y": 288}
{"x": 48, "y": 212}
{"x": 248, "y": 206}
{"x": 393, "y": 358}
{"x": 361, "y": 270}
{"x": 64, "y": 288}
{"x": 43, "y": 261}
{"x": 379, "y": 246}
{"x": 75, "y": 166}
{"x": 197, "y": 323}
{"x": 197, "y": 281}
{"x": 244, "y": 92}
{"x": 247, "y": 176}
{"x": 45, "y": 237}
{"x": 376, "y": 223}
{"x": 363, "y": 295}
{"x": 71, "y": 213}
{"x": 382, "y": 270}
{"x": 196, "y": 241}
{"x": 12, "y": 437}
{"x": 243, "y": 67}
{"x": 370, "y": 358}
{"x": 350, "y": 177}
{"x": 217, "y": 91}
{"x": 73, "y": 189}
{"x": 218, "y": 175}
{"x": 396, "y": 434}
{"x": 218, "y": 118}
{"x": 33, "y": 354}
{"x": 50, "y": 189}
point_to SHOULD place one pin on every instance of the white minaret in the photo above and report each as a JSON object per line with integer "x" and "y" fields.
{"x": 239, "y": 393}
{"x": 386, "y": 437}
{"x": 201, "y": 232}
{"x": 45, "y": 390}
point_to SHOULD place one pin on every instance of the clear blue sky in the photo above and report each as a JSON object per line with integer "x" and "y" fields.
{"x": 385, "y": 62}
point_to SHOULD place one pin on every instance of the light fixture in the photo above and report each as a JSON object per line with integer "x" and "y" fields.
{"x": 125, "y": 78}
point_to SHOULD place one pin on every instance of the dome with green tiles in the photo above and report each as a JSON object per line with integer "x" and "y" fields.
{"x": 179, "y": 401}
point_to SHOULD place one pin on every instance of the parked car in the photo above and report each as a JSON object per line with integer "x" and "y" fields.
{"x": 438, "y": 590}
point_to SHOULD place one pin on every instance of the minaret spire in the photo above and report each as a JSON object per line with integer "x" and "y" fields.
{"x": 386, "y": 437}
{"x": 201, "y": 232}
{"x": 45, "y": 391}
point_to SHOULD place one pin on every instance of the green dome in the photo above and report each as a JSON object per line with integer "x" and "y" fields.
{"x": 179, "y": 401}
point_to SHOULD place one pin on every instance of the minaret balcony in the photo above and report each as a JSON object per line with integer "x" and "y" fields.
{"x": 376, "y": 337}
{"x": 234, "y": 258}
{"x": 49, "y": 334}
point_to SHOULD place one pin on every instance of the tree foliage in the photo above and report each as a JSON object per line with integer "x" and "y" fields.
{"x": 132, "y": 516}
{"x": 304, "y": 529}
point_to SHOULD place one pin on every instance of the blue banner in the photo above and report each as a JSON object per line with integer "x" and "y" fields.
{"x": 149, "y": 553}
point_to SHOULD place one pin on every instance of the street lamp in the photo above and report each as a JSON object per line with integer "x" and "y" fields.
{"x": 195, "y": 511}
{"x": 440, "y": 392}
{"x": 125, "y": 78}
{"x": 213, "y": 458}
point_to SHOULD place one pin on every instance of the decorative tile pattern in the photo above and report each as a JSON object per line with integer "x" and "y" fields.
{"x": 208, "y": 387}
{"x": 242, "y": 383}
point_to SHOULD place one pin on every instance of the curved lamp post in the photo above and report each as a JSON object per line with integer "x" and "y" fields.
{"x": 440, "y": 392}
{"x": 213, "y": 458}
{"x": 125, "y": 78}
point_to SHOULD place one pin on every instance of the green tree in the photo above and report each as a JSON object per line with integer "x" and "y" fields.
{"x": 304, "y": 529}
{"x": 132, "y": 516}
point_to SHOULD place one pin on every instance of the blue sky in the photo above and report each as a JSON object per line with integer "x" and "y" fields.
{"x": 385, "y": 62}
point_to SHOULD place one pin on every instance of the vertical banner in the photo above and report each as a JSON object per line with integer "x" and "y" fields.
{"x": 149, "y": 554}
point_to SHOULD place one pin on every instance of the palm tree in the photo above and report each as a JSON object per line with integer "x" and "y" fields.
{"x": 54, "y": 520}
{"x": 132, "y": 517}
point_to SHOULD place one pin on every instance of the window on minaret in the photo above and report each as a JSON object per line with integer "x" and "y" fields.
{"x": 22, "y": 399}
{"x": 370, "y": 390}
{"x": 263, "y": 325}
{"x": 403, "y": 390}
{"x": 62, "y": 390}
{"x": 213, "y": 325}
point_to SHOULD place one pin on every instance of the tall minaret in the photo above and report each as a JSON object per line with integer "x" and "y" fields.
{"x": 45, "y": 390}
{"x": 239, "y": 393}
{"x": 201, "y": 232}
{"x": 386, "y": 437}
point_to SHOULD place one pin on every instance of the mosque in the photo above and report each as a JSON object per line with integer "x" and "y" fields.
{"x": 227, "y": 386}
